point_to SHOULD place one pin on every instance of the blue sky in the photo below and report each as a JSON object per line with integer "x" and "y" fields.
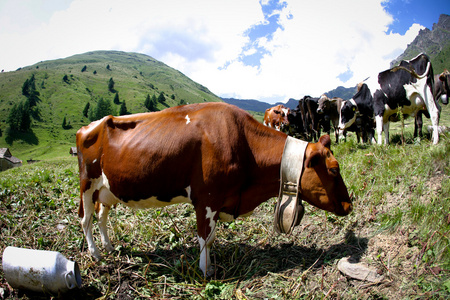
{"x": 269, "y": 50}
{"x": 407, "y": 12}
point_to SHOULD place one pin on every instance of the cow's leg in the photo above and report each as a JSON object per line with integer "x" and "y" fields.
{"x": 206, "y": 229}
{"x": 435, "y": 124}
{"x": 418, "y": 123}
{"x": 433, "y": 110}
{"x": 434, "y": 116}
{"x": 379, "y": 127}
{"x": 86, "y": 222}
{"x": 386, "y": 133}
{"x": 102, "y": 224}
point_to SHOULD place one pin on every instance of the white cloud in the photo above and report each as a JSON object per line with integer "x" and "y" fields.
{"x": 316, "y": 42}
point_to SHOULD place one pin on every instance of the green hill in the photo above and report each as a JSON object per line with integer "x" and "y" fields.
{"x": 66, "y": 85}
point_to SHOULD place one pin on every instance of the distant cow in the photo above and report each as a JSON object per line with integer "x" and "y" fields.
{"x": 405, "y": 89}
{"x": 212, "y": 155}
{"x": 277, "y": 117}
{"x": 330, "y": 108}
{"x": 297, "y": 122}
{"x": 306, "y": 120}
{"x": 312, "y": 118}
{"x": 357, "y": 114}
{"x": 441, "y": 89}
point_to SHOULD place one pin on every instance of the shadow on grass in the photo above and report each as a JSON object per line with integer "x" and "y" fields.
{"x": 75, "y": 294}
{"x": 28, "y": 137}
{"x": 242, "y": 261}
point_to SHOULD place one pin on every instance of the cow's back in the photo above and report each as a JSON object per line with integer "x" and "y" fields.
{"x": 161, "y": 153}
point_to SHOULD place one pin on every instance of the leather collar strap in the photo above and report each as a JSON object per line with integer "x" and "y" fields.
{"x": 289, "y": 209}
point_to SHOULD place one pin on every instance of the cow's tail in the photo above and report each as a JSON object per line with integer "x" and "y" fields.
{"x": 412, "y": 71}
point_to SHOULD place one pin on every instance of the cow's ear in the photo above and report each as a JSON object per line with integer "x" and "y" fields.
{"x": 325, "y": 140}
{"x": 313, "y": 159}
{"x": 442, "y": 76}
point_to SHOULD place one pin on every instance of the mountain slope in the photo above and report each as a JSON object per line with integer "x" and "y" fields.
{"x": 66, "y": 85}
{"x": 435, "y": 43}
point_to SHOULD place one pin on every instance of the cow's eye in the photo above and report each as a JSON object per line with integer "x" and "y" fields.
{"x": 333, "y": 171}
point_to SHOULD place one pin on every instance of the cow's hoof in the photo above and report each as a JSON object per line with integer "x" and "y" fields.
{"x": 210, "y": 272}
{"x": 95, "y": 255}
{"x": 109, "y": 248}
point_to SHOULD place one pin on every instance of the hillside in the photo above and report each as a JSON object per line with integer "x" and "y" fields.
{"x": 435, "y": 43}
{"x": 86, "y": 80}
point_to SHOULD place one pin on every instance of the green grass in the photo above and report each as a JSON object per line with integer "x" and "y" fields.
{"x": 399, "y": 226}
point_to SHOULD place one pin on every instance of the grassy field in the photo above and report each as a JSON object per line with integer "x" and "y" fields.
{"x": 399, "y": 227}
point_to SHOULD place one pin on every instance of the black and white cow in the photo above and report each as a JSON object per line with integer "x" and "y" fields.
{"x": 359, "y": 109}
{"x": 329, "y": 108}
{"x": 405, "y": 89}
{"x": 441, "y": 92}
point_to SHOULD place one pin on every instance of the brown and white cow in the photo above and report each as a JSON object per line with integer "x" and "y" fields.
{"x": 277, "y": 117}
{"x": 212, "y": 155}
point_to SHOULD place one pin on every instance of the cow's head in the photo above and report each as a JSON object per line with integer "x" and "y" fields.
{"x": 324, "y": 103}
{"x": 321, "y": 182}
{"x": 281, "y": 116}
{"x": 347, "y": 114}
{"x": 445, "y": 78}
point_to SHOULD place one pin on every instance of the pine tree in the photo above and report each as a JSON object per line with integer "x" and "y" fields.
{"x": 25, "y": 118}
{"x": 19, "y": 117}
{"x": 111, "y": 85}
{"x": 86, "y": 109}
{"x": 116, "y": 98}
{"x": 148, "y": 102}
{"x": 14, "y": 118}
{"x": 103, "y": 108}
{"x": 29, "y": 91}
{"x": 25, "y": 88}
{"x": 161, "y": 98}
{"x": 123, "y": 109}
